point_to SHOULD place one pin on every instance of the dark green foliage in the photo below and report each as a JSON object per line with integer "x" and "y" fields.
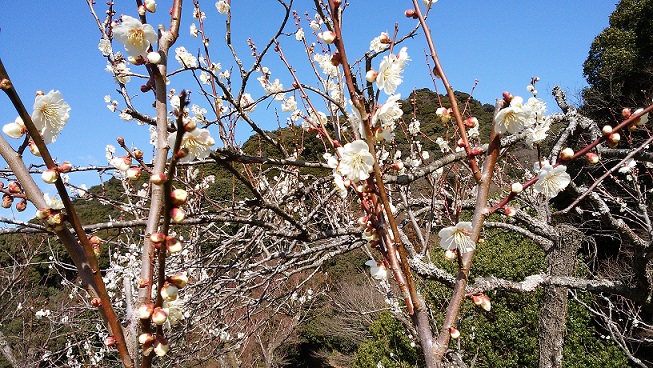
{"x": 390, "y": 345}
{"x": 619, "y": 67}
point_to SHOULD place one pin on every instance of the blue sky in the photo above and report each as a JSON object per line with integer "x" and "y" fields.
{"x": 53, "y": 45}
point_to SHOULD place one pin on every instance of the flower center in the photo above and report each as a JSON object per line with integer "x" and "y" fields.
{"x": 136, "y": 37}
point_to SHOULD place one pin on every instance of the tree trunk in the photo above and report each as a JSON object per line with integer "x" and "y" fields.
{"x": 561, "y": 261}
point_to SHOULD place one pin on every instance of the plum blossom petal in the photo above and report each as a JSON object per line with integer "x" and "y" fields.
{"x": 389, "y": 77}
{"x": 50, "y": 115}
{"x": 552, "y": 181}
{"x": 457, "y": 237}
{"x": 511, "y": 119}
{"x": 377, "y": 270}
{"x": 136, "y": 36}
{"x": 356, "y": 161}
{"x": 198, "y": 141}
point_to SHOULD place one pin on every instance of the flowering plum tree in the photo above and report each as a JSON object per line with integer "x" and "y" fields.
{"x": 212, "y": 245}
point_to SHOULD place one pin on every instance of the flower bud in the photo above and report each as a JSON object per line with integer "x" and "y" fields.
{"x": 625, "y": 113}
{"x": 485, "y": 303}
{"x": 7, "y": 201}
{"x": 477, "y": 151}
{"x": 566, "y": 154}
{"x": 145, "y": 311}
{"x": 180, "y": 280}
{"x": 607, "y": 130}
{"x": 510, "y": 211}
{"x": 159, "y": 316}
{"x": 50, "y": 176}
{"x": 150, "y": 5}
{"x": 592, "y": 157}
{"x": 138, "y": 154}
{"x": 336, "y": 59}
{"x": 55, "y": 218}
{"x": 328, "y": 36}
{"x": 96, "y": 249}
{"x": 450, "y": 255}
{"x": 179, "y": 197}
{"x": 177, "y": 215}
{"x": 34, "y": 149}
{"x": 613, "y": 140}
{"x": 14, "y": 187}
{"x": 161, "y": 346}
{"x": 173, "y": 245}
{"x": 133, "y": 173}
{"x": 14, "y": 130}
{"x": 190, "y": 125}
{"x": 398, "y": 165}
{"x": 169, "y": 292}
{"x": 507, "y": 96}
{"x": 153, "y": 57}
{"x": 183, "y": 152}
{"x": 21, "y": 206}
{"x": 516, "y": 188}
{"x": 157, "y": 237}
{"x": 411, "y": 13}
{"x": 471, "y": 122}
{"x": 109, "y": 341}
{"x": 145, "y": 338}
{"x": 454, "y": 332}
{"x": 96, "y": 302}
{"x": 371, "y": 75}
{"x": 158, "y": 179}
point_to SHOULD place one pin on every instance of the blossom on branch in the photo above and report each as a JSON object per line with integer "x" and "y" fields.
{"x": 198, "y": 142}
{"x": 222, "y": 6}
{"x": 356, "y": 161}
{"x": 50, "y": 115}
{"x": 457, "y": 237}
{"x": 185, "y": 58}
{"x": 136, "y": 36}
{"x": 552, "y": 181}
{"x": 512, "y": 119}
{"x": 377, "y": 270}
{"x": 389, "y": 77}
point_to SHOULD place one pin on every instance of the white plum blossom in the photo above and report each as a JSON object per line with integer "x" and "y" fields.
{"x": 247, "y": 102}
{"x": 185, "y": 58}
{"x": 324, "y": 61}
{"x": 537, "y": 133}
{"x": 429, "y": 2}
{"x": 120, "y": 72}
{"x": 105, "y": 47}
{"x": 457, "y": 237}
{"x": 198, "y": 141}
{"x": 136, "y": 36}
{"x": 387, "y": 114}
{"x": 443, "y": 144}
{"x": 289, "y": 104}
{"x": 377, "y": 270}
{"x": 380, "y": 43}
{"x": 299, "y": 35}
{"x": 16, "y": 129}
{"x": 356, "y": 161}
{"x": 551, "y": 181}
{"x": 193, "y": 30}
{"x": 53, "y": 202}
{"x": 340, "y": 184}
{"x": 389, "y": 77}
{"x": 628, "y": 166}
{"x": 413, "y": 127}
{"x": 512, "y": 119}
{"x": 205, "y": 78}
{"x": 222, "y": 6}
{"x": 50, "y": 115}
{"x": 42, "y": 313}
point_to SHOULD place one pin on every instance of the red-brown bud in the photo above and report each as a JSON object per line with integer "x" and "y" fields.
{"x": 592, "y": 157}
{"x": 109, "y": 341}
{"x": 22, "y": 205}
{"x": 14, "y": 187}
{"x": 7, "y": 201}
{"x": 96, "y": 302}
{"x": 625, "y": 113}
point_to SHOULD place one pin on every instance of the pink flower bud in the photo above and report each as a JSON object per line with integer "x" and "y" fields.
{"x": 173, "y": 245}
{"x": 133, "y": 173}
{"x": 471, "y": 122}
{"x": 161, "y": 346}
{"x": 398, "y": 165}
{"x": 157, "y": 237}
{"x": 476, "y": 298}
{"x": 95, "y": 240}
{"x": 180, "y": 280}
{"x": 477, "y": 151}
{"x": 566, "y": 154}
{"x": 138, "y": 154}
{"x": 371, "y": 75}
{"x": 14, "y": 130}
{"x": 145, "y": 338}
{"x": 145, "y": 311}
{"x": 158, "y": 179}
{"x": 169, "y": 292}
{"x": 65, "y": 167}
{"x": 96, "y": 302}
{"x": 159, "y": 316}
{"x": 14, "y": 187}
{"x": 592, "y": 157}
{"x": 50, "y": 176}
{"x": 625, "y": 113}
{"x": 21, "y": 206}
{"x": 485, "y": 303}
{"x": 190, "y": 125}
{"x": 411, "y": 13}
{"x": 607, "y": 130}
{"x": 109, "y": 341}
{"x": 7, "y": 201}
{"x": 510, "y": 211}
{"x": 613, "y": 140}
{"x": 507, "y": 96}
{"x": 454, "y": 332}
{"x": 177, "y": 215}
{"x": 179, "y": 197}
{"x": 141, "y": 10}
{"x": 328, "y": 36}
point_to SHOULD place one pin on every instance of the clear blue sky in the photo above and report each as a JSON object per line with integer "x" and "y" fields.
{"x": 53, "y": 45}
